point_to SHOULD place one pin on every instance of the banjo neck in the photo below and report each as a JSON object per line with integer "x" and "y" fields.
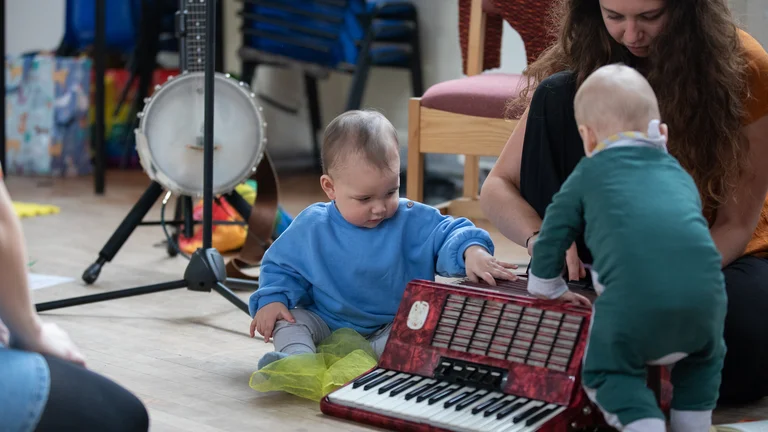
{"x": 191, "y": 23}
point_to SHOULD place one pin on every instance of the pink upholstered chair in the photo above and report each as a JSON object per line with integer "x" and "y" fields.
{"x": 466, "y": 116}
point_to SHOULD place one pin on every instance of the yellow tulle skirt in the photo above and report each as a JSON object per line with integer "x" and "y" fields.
{"x": 340, "y": 358}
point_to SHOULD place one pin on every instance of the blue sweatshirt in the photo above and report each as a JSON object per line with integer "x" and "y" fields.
{"x": 355, "y": 277}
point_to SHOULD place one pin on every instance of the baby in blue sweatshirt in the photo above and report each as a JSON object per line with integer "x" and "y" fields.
{"x": 346, "y": 263}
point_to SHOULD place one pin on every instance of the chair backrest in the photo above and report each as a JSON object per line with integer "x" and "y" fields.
{"x": 480, "y": 30}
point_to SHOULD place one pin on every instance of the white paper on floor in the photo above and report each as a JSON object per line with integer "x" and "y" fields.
{"x": 38, "y": 281}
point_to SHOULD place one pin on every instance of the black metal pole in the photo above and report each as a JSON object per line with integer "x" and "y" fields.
{"x": 210, "y": 62}
{"x": 99, "y": 48}
{"x": 111, "y": 295}
{"x": 2, "y": 81}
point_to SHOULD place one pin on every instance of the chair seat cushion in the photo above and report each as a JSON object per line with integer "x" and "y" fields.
{"x": 484, "y": 95}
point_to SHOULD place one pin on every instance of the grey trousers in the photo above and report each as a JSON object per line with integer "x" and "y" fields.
{"x": 309, "y": 330}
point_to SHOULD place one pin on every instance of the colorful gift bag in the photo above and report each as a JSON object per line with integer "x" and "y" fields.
{"x": 119, "y": 143}
{"x": 47, "y": 127}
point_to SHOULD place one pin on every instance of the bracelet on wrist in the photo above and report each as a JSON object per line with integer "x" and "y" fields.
{"x": 529, "y": 238}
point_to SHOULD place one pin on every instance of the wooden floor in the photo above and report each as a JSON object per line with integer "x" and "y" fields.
{"x": 187, "y": 355}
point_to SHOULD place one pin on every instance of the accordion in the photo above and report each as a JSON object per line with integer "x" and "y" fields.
{"x": 474, "y": 357}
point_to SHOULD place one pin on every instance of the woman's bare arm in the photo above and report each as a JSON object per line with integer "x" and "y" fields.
{"x": 16, "y": 308}
{"x": 737, "y": 218}
{"x": 500, "y": 197}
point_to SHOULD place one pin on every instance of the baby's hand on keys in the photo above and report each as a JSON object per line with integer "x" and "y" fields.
{"x": 482, "y": 265}
{"x": 266, "y": 317}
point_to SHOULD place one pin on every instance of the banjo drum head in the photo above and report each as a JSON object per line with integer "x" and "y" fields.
{"x": 169, "y": 138}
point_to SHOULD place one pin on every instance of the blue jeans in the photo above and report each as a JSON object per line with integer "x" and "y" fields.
{"x": 24, "y": 387}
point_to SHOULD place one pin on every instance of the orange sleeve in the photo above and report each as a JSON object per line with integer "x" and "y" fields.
{"x": 757, "y": 76}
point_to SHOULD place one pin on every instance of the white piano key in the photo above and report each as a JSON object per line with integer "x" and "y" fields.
{"x": 413, "y": 410}
{"x": 505, "y": 422}
{"x": 467, "y": 394}
{"x": 521, "y": 424}
{"x": 424, "y": 415}
{"x": 493, "y": 422}
{"x": 452, "y": 417}
{"x": 372, "y": 397}
{"x": 534, "y": 426}
{"x": 351, "y": 395}
{"x": 399, "y": 399}
{"x": 472, "y": 423}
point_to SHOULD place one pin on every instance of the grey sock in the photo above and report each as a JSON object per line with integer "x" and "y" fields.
{"x": 271, "y": 357}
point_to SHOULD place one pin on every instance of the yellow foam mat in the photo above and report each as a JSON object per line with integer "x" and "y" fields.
{"x": 24, "y": 210}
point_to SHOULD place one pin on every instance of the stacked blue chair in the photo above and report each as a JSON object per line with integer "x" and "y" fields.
{"x": 121, "y": 26}
{"x": 323, "y": 36}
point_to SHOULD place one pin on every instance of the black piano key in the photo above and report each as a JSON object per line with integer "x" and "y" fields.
{"x": 371, "y": 376}
{"x": 540, "y": 415}
{"x": 458, "y": 398}
{"x": 441, "y": 395}
{"x": 404, "y": 387}
{"x": 431, "y": 392}
{"x": 492, "y": 410}
{"x": 485, "y": 405}
{"x": 377, "y": 381}
{"x": 527, "y": 413}
{"x": 420, "y": 390}
{"x": 510, "y": 409}
{"x": 472, "y": 399}
{"x": 392, "y": 385}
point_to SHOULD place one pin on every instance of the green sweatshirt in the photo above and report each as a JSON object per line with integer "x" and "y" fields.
{"x": 641, "y": 216}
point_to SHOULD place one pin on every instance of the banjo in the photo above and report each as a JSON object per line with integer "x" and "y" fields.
{"x": 169, "y": 137}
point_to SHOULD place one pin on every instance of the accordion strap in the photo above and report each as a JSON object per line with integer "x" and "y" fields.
{"x": 261, "y": 221}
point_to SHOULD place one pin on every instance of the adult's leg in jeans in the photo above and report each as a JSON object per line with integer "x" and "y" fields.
{"x": 552, "y": 146}
{"x": 745, "y": 376}
{"x": 80, "y": 399}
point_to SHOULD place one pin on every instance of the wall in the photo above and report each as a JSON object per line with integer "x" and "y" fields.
{"x": 26, "y": 29}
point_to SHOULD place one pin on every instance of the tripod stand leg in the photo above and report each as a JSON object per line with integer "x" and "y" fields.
{"x": 121, "y": 234}
{"x": 93, "y": 298}
{"x": 232, "y": 297}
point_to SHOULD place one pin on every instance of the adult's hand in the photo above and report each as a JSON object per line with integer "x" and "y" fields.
{"x": 51, "y": 339}
{"x": 575, "y": 267}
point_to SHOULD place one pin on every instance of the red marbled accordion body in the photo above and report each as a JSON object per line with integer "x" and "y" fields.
{"x": 538, "y": 344}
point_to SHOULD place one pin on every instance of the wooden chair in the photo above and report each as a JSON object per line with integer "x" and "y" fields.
{"x": 466, "y": 116}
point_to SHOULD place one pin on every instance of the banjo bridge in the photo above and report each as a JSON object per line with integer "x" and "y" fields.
{"x": 198, "y": 145}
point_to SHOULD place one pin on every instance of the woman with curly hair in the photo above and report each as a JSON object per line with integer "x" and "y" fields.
{"x": 711, "y": 80}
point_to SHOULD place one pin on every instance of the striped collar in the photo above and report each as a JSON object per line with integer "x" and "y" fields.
{"x": 653, "y": 139}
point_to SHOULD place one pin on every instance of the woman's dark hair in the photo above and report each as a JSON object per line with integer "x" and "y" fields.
{"x": 695, "y": 65}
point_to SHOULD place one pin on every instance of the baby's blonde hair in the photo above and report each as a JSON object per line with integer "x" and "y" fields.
{"x": 616, "y": 98}
{"x": 364, "y": 132}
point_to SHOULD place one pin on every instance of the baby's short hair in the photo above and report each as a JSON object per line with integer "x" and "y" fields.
{"x": 616, "y": 97}
{"x": 365, "y": 132}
